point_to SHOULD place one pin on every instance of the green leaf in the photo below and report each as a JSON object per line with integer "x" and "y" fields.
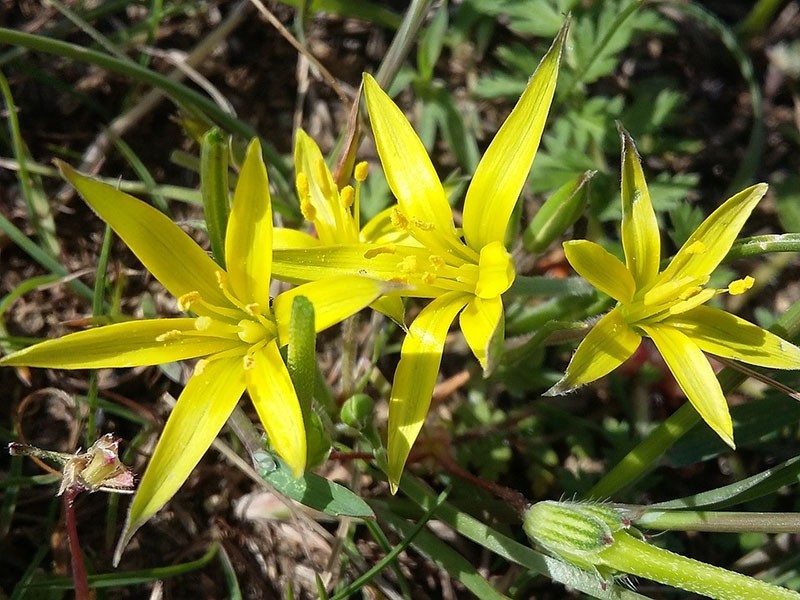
{"x": 311, "y": 490}
{"x": 214, "y": 187}
{"x": 430, "y": 46}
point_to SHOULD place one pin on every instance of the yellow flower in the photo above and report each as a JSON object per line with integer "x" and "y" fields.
{"x": 237, "y": 330}
{"x": 465, "y": 271}
{"x": 668, "y": 306}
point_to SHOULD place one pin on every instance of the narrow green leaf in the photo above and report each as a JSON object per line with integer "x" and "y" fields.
{"x": 215, "y": 191}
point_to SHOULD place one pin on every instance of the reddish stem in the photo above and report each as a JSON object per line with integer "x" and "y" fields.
{"x": 79, "y": 577}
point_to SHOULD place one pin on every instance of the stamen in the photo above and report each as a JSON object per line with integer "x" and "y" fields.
{"x": 740, "y": 286}
{"x": 437, "y": 262}
{"x": 303, "y": 189}
{"x": 386, "y": 249}
{"x": 169, "y": 335}
{"x": 361, "y": 171}
{"x": 322, "y": 176}
{"x": 185, "y": 302}
{"x": 399, "y": 220}
{"x": 693, "y": 302}
{"x": 668, "y": 290}
{"x": 423, "y": 225}
{"x": 202, "y": 323}
{"x": 408, "y": 265}
{"x": 347, "y": 196}
{"x": 307, "y": 210}
{"x": 428, "y": 278}
{"x": 251, "y": 332}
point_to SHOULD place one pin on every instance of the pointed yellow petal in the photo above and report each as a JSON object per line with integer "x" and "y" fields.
{"x": 641, "y": 238}
{"x": 334, "y": 300}
{"x": 502, "y": 171}
{"x": 601, "y": 268}
{"x": 276, "y": 403}
{"x": 695, "y": 376}
{"x": 415, "y": 378}
{"x": 481, "y": 321}
{"x": 165, "y": 250}
{"x": 202, "y": 409}
{"x": 129, "y": 344}
{"x": 248, "y": 240}
{"x": 609, "y": 344}
{"x": 709, "y": 244}
{"x": 332, "y": 221}
{"x": 283, "y": 237}
{"x": 407, "y": 167}
{"x": 723, "y": 334}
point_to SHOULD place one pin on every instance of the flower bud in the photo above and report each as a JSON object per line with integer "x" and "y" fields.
{"x": 558, "y": 213}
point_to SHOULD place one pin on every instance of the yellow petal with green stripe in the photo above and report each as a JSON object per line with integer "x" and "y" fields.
{"x": 278, "y": 408}
{"x": 609, "y": 344}
{"x": 601, "y": 269}
{"x": 695, "y": 377}
{"x": 128, "y": 344}
{"x": 502, "y": 171}
{"x": 641, "y": 238}
{"x": 164, "y": 248}
{"x": 415, "y": 378}
{"x": 202, "y": 409}
{"x": 248, "y": 240}
{"x": 723, "y": 334}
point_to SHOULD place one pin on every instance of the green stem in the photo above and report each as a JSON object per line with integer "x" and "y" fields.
{"x": 401, "y": 44}
{"x": 708, "y": 520}
{"x": 764, "y": 244}
{"x": 631, "y": 555}
{"x": 644, "y": 456}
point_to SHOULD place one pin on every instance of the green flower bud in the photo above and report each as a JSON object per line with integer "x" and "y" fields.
{"x": 357, "y": 410}
{"x": 558, "y": 213}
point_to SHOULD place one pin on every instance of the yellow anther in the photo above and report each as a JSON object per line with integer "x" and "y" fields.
{"x": 408, "y": 265}
{"x": 387, "y": 249}
{"x": 740, "y": 286}
{"x": 185, "y": 302}
{"x": 398, "y": 279}
{"x": 696, "y": 247}
{"x": 253, "y": 308}
{"x": 696, "y": 300}
{"x": 323, "y": 178}
{"x": 669, "y": 290}
{"x": 348, "y": 195}
{"x": 308, "y": 210}
{"x": 690, "y": 292}
{"x": 200, "y": 366}
{"x": 437, "y": 262}
{"x": 202, "y": 323}
{"x": 399, "y": 220}
{"x": 168, "y": 335}
{"x": 428, "y": 278}
{"x": 423, "y": 225}
{"x": 361, "y": 171}
{"x": 303, "y": 191}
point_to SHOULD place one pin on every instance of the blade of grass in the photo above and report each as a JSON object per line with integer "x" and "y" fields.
{"x": 38, "y": 206}
{"x": 182, "y": 95}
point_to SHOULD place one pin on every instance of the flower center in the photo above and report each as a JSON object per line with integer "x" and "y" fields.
{"x": 496, "y": 271}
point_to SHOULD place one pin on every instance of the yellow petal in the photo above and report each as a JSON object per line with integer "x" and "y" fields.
{"x": 408, "y": 168}
{"x": 392, "y": 307}
{"x": 601, "y": 268}
{"x": 248, "y": 240}
{"x": 283, "y": 237}
{"x": 695, "y": 377}
{"x": 709, "y": 244}
{"x": 415, "y": 378}
{"x": 723, "y": 334}
{"x": 332, "y": 221}
{"x": 641, "y": 238}
{"x": 278, "y": 408}
{"x": 202, "y": 409}
{"x": 129, "y": 344}
{"x": 502, "y": 171}
{"x": 375, "y": 261}
{"x": 496, "y": 271}
{"x": 164, "y": 249}
{"x": 609, "y": 344}
{"x": 334, "y": 300}
{"x": 481, "y": 322}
